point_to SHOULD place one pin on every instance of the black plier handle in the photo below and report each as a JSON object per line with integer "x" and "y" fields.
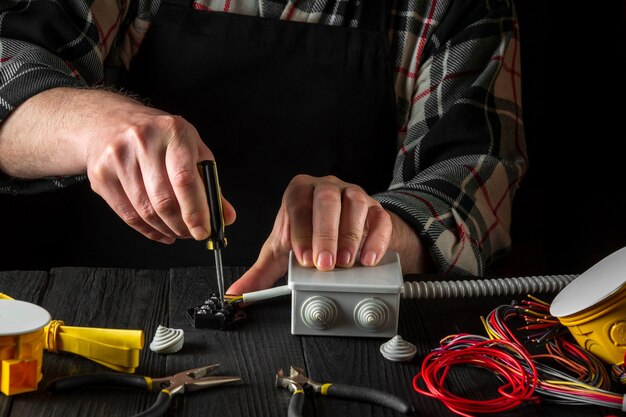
{"x": 370, "y": 395}
{"x": 180, "y": 383}
{"x": 297, "y": 381}
{"x": 351, "y": 392}
{"x": 159, "y": 408}
{"x": 296, "y": 403}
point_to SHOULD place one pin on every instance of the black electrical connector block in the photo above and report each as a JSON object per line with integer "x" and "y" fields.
{"x": 212, "y": 314}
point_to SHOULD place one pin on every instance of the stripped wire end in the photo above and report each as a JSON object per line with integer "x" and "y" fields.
{"x": 231, "y": 299}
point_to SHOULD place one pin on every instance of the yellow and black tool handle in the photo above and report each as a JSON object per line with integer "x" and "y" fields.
{"x": 99, "y": 380}
{"x": 159, "y": 408}
{"x": 370, "y": 395}
{"x": 296, "y": 403}
{"x": 208, "y": 172}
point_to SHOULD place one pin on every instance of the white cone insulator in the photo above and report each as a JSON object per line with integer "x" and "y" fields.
{"x": 398, "y": 350}
{"x": 167, "y": 340}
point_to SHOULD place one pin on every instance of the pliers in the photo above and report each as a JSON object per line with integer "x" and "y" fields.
{"x": 186, "y": 381}
{"x": 297, "y": 381}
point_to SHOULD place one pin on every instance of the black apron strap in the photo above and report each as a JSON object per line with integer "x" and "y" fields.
{"x": 373, "y": 15}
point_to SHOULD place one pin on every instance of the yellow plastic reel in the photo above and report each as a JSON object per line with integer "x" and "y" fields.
{"x": 28, "y": 330}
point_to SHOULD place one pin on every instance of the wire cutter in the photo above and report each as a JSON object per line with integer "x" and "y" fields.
{"x": 180, "y": 383}
{"x": 297, "y": 381}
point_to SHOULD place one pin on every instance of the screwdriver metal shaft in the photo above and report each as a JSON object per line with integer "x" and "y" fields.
{"x": 217, "y": 240}
{"x": 220, "y": 273}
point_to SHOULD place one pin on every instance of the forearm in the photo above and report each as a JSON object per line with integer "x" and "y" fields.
{"x": 49, "y": 134}
{"x": 36, "y": 63}
{"x": 413, "y": 254}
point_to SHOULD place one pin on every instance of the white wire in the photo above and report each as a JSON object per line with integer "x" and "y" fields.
{"x": 265, "y": 294}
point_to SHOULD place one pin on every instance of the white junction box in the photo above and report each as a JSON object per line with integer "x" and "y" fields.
{"x": 359, "y": 301}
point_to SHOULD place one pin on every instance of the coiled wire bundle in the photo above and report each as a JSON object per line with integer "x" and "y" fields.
{"x": 559, "y": 371}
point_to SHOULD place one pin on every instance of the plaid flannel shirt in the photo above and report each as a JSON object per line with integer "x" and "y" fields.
{"x": 461, "y": 149}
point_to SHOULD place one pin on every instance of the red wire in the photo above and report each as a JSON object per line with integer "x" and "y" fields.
{"x": 503, "y": 330}
{"x": 494, "y": 355}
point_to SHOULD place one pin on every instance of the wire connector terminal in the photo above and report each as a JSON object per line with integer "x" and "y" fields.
{"x": 213, "y": 314}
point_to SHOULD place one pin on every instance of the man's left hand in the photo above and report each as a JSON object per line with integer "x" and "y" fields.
{"x": 327, "y": 223}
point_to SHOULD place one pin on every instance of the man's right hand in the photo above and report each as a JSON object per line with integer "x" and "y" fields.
{"x": 141, "y": 160}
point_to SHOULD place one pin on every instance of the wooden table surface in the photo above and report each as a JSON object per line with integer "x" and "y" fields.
{"x": 143, "y": 299}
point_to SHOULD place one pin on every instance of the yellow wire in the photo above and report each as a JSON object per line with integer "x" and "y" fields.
{"x": 580, "y": 385}
{"x": 538, "y": 300}
{"x": 490, "y": 333}
{"x": 579, "y": 388}
{"x": 534, "y": 313}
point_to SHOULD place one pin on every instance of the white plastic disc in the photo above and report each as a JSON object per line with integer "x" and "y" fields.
{"x": 20, "y": 317}
{"x": 592, "y": 286}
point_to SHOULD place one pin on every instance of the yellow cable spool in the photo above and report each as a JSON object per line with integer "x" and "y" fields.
{"x": 21, "y": 345}
{"x": 26, "y": 330}
{"x": 593, "y": 308}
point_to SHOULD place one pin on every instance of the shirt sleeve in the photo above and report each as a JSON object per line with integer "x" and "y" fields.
{"x": 46, "y": 44}
{"x": 461, "y": 145}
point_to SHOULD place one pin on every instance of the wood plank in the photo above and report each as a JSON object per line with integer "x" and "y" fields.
{"x": 108, "y": 298}
{"x": 143, "y": 299}
{"x": 414, "y": 327}
{"x": 254, "y": 351}
{"x": 25, "y": 286}
{"x": 352, "y": 361}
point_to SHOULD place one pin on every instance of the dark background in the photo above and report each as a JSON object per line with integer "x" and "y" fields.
{"x": 570, "y": 211}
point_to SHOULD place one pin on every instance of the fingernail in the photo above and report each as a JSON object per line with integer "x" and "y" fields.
{"x": 343, "y": 258}
{"x": 325, "y": 260}
{"x": 307, "y": 258}
{"x": 199, "y": 233}
{"x": 369, "y": 259}
{"x": 167, "y": 240}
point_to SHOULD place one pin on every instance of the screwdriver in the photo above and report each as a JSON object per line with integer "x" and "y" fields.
{"x": 217, "y": 240}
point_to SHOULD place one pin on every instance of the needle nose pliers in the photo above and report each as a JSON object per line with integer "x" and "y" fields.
{"x": 180, "y": 383}
{"x": 297, "y": 381}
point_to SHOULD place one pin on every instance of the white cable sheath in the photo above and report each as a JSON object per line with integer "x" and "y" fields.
{"x": 265, "y": 294}
{"x": 485, "y": 287}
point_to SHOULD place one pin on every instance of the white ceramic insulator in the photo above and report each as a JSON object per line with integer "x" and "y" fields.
{"x": 167, "y": 340}
{"x": 486, "y": 287}
{"x": 371, "y": 314}
{"x": 318, "y": 312}
{"x": 398, "y": 350}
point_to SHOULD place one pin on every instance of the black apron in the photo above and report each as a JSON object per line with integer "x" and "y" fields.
{"x": 271, "y": 99}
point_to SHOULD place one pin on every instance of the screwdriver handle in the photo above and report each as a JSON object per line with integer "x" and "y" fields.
{"x": 208, "y": 173}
